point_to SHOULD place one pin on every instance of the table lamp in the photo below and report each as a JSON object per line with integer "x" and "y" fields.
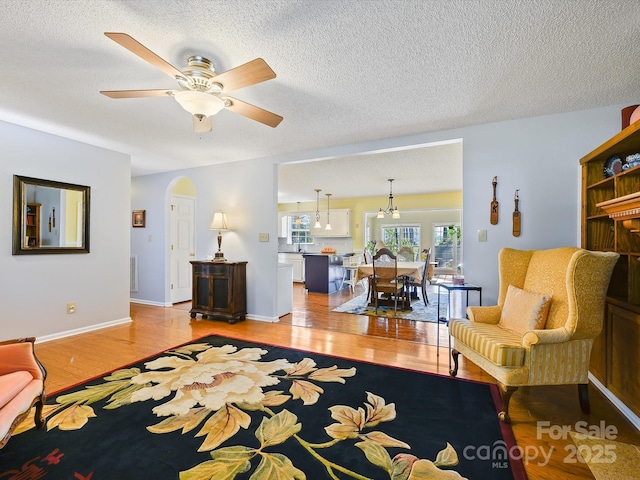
{"x": 219, "y": 223}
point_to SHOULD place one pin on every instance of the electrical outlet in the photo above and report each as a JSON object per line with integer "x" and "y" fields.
{"x": 71, "y": 308}
{"x": 482, "y": 235}
{"x": 263, "y": 237}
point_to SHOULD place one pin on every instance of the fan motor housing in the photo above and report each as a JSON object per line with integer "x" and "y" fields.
{"x": 198, "y": 75}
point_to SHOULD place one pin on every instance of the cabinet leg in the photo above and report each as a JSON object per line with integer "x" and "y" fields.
{"x": 583, "y": 395}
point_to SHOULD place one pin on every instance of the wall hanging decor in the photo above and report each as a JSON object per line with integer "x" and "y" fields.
{"x": 516, "y": 217}
{"x": 494, "y": 203}
{"x": 35, "y": 218}
{"x": 138, "y": 218}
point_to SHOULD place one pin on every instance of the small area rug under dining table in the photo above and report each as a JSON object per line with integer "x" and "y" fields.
{"x": 221, "y": 408}
{"x": 419, "y": 311}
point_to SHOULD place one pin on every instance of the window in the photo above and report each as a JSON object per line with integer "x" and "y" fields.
{"x": 447, "y": 246}
{"x": 300, "y": 233}
{"x": 397, "y": 236}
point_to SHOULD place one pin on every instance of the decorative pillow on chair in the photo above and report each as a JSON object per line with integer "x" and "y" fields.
{"x": 523, "y": 311}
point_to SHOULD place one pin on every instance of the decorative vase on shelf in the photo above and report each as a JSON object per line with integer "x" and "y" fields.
{"x": 635, "y": 116}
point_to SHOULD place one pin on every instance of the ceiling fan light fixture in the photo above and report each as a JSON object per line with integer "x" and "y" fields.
{"x": 199, "y": 103}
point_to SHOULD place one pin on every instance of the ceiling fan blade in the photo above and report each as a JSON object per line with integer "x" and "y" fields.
{"x": 254, "y": 113}
{"x": 137, "y": 93}
{"x": 144, "y": 53}
{"x": 202, "y": 125}
{"x": 250, "y": 73}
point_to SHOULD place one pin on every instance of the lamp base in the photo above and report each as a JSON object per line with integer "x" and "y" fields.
{"x": 219, "y": 257}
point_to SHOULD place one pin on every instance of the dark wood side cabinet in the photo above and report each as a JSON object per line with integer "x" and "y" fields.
{"x": 611, "y": 222}
{"x": 219, "y": 290}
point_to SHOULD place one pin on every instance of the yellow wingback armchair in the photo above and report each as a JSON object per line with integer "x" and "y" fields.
{"x": 556, "y": 354}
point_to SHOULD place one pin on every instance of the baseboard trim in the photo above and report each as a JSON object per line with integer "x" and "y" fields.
{"x": 77, "y": 331}
{"x": 626, "y": 411}
{"x": 150, "y": 302}
{"x": 262, "y": 318}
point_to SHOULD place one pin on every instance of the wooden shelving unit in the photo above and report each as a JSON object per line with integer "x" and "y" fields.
{"x": 611, "y": 222}
{"x": 32, "y": 226}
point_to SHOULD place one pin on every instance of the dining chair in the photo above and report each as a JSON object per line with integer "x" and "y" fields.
{"x": 385, "y": 279}
{"x": 425, "y": 277}
{"x": 350, "y": 265}
{"x": 367, "y": 258}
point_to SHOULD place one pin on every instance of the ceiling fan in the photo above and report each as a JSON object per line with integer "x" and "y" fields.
{"x": 202, "y": 92}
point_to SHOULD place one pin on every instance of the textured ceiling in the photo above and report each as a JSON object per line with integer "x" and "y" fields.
{"x": 348, "y": 71}
{"x": 427, "y": 169}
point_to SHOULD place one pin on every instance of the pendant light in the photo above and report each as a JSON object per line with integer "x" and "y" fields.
{"x": 317, "y": 225}
{"x": 298, "y": 217}
{"x": 328, "y": 226}
{"x": 395, "y": 213}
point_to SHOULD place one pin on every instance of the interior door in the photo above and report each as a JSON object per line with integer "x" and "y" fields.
{"x": 182, "y": 246}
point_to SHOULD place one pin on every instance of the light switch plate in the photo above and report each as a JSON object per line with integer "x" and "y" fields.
{"x": 263, "y": 237}
{"x": 482, "y": 235}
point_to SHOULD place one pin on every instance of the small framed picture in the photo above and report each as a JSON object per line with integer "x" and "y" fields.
{"x": 138, "y": 218}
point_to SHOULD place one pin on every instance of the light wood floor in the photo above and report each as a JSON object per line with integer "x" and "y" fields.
{"x": 313, "y": 327}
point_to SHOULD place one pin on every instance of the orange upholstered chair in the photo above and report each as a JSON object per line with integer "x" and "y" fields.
{"x": 22, "y": 379}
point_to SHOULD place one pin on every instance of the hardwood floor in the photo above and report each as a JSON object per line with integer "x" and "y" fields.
{"x": 313, "y": 327}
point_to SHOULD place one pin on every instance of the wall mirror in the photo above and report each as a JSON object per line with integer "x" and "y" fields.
{"x": 49, "y": 217}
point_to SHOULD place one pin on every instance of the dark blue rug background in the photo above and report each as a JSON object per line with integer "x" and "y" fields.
{"x": 431, "y": 410}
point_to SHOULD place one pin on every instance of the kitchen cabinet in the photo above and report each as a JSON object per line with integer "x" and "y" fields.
{"x": 219, "y": 290}
{"x": 283, "y": 225}
{"x": 324, "y": 273}
{"x": 340, "y": 220}
{"x": 297, "y": 262}
{"x": 611, "y": 222}
{"x": 284, "y": 303}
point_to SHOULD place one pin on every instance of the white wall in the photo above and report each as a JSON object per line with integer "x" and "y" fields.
{"x": 245, "y": 192}
{"x": 539, "y": 156}
{"x": 36, "y": 288}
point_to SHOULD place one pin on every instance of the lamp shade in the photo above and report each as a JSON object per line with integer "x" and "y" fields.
{"x": 219, "y": 221}
{"x": 199, "y": 103}
{"x": 379, "y": 244}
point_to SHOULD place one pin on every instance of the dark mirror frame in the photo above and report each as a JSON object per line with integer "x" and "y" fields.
{"x": 19, "y": 214}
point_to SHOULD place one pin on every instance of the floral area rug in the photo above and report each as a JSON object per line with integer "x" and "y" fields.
{"x": 428, "y": 313}
{"x": 221, "y": 408}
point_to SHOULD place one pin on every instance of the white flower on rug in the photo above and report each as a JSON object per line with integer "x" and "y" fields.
{"x": 220, "y": 376}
